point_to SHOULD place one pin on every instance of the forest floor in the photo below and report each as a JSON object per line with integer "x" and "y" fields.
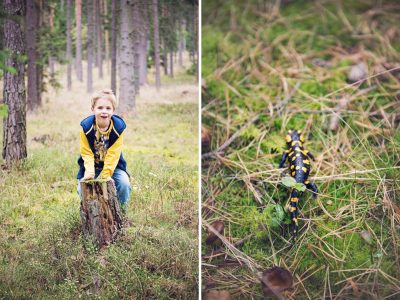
{"x": 269, "y": 69}
{"x": 42, "y": 252}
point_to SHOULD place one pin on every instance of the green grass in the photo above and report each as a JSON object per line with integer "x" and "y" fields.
{"x": 253, "y": 57}
{"x": 42, "y": 252}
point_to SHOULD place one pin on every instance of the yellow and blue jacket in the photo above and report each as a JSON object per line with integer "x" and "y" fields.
{"x": 101, "y": 151}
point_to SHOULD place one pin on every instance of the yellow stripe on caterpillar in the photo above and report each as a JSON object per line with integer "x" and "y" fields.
{"x": 292, "y": 167}
{"x": 288, "y": 139}
{"x": 297, "y": 167}
{"x": 292, "y": 209}
{"x": 293, "y": 173}
{"x": 294, "y": 199}
{"x": 306, "y": 161}
{"x": 304, "y": 169}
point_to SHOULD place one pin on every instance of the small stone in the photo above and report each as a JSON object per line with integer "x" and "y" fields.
{"x": 357, "y": 72}
{"x": 217, "y": 295}
{"x": 276, "y": 280}
{"x": 366, "y": 235}
{"x": 212, "y": 237}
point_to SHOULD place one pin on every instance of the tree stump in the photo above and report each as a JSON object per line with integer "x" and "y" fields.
{"x": 101, "y": 215}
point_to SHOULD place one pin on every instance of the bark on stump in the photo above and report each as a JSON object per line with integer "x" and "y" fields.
{"x": 101, "y": 215}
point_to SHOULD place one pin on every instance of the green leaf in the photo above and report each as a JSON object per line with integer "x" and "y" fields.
{"x": 3, "y": 110}
{"x": 279, "y": 212}
{"x": 299, "y": 186}
{"x": 288, "y": 181}
{"x": 275, "y": 214}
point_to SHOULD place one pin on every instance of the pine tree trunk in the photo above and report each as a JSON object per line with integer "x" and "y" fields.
{"x": 39, "y": 67}
{"x": 52, "y": 59}
{"x": 69, "y": 46}
{"x": 14, "y": 126}
{"x": 136, "y": 45}
{"x": 165, "y": 58}
{"x": 195, "y": 40}
{"x": 106, "y": 41}
{"x": 101, "y": 216}
{"x": 144, "y": 35}
{"x": 126, "y": 58}
{"x": 33, "y": 91}
{"x": 114, "y": 17}
{"x": 171, "y": 64}
{"x": 78, "y": 53}
{"x": 99, "y": 38}
{"x": 89, "y": 47}
{"x": 94, "y": 38}
{"x": 156, "y": 44}
{"x": 180, "y": 46}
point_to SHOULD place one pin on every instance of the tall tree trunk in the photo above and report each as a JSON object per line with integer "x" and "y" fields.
{"x": 52, "y": 59}
{"x": 89, "y": 47}
{"x": 180, "y": 46}
{"x": 165, "y": 57}
{"x": 126, "y": 59}
{"x": 69, "y": 46}
{"x": 78, "y": 53}
{"x": 114, "y": 16}
{"x": 106, "y": 41}
{"x": 195, "y": 40}
{"x": 171, "y": 63}
{"x": 40, "y": 67}
{"x": 144, "y": 35}
{"x": 52, "y": 68}
{"x": 14, "y": 125}
{"x": 99, "y": 39}
{"x": 137, "y": 20}
{"x": 94, "y": 38}
{"x": 32, "y": 22}
{"x": 156, "y": 44}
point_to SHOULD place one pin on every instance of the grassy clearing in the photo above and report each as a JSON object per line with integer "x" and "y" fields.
{"x": 288, "y": 65}
{"x": 42, "y": 252}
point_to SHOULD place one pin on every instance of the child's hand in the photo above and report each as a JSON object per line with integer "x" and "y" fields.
{"x": 87, "y": 177}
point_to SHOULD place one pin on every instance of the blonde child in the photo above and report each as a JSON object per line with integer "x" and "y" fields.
{"x": 101, "y": 140}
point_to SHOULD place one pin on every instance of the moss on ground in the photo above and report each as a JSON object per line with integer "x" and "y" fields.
{"x": 256, "y": 55}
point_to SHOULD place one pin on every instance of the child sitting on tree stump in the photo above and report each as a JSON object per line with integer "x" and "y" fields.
{"x": 101, "y": 140}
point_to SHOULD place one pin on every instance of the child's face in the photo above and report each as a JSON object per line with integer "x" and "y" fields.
{"x": 103, "y": 110}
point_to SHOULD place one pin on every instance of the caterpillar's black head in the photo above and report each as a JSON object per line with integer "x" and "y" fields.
{"x": 294, "y": 135}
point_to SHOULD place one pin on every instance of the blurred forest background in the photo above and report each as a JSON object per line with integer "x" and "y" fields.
{"x": 328, "y": 68}
{"x": 53, "y": 55}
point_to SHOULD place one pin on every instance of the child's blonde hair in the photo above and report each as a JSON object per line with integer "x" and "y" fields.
{"x": 105, "y": 94}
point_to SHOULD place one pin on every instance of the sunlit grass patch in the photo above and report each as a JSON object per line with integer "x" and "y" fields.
{"x": 42, "y": 252}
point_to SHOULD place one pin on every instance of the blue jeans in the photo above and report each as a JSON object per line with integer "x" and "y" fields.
{"x": 122, "y": 184}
